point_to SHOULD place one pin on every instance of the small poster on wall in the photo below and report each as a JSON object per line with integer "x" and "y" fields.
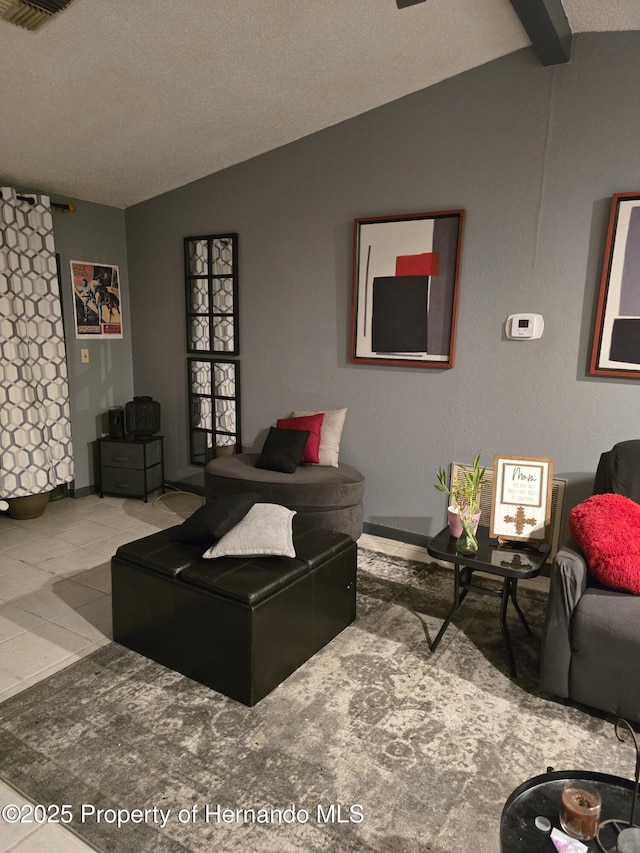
{"x": 521, "y": 499}
{"x": 96, "y": 300}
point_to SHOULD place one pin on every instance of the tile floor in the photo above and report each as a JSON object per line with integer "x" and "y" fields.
{"x": 55, "y": 603}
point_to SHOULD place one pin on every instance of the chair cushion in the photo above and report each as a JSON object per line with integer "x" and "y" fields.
{"x": 619, "y": 470}
{"x": 607, "y": 530}
{"x": 605, "y": 643}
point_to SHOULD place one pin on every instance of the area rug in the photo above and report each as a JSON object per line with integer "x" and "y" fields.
{"x": 375, "y": 744}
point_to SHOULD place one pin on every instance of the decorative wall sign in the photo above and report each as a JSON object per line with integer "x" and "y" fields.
{"x": 616, "y": 338}
{"x": 96, "y": 303}
{"x": 521, "y": 500}
{"x": 405, "y": 289}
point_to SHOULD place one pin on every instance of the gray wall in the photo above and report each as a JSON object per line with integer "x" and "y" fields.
{"x": 533, "y": 155}
{"x": 93, "y": 233}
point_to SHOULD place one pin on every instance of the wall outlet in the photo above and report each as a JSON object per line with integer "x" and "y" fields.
{"x": 84, "y": 356}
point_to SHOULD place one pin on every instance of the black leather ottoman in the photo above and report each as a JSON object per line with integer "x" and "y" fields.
{"x": 239, "y": 625}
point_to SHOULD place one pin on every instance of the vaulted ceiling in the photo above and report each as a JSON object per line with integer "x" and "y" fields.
{"x": 116, "y": 102}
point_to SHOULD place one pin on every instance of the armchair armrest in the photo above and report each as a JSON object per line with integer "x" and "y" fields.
{"x": 569, "y": 576}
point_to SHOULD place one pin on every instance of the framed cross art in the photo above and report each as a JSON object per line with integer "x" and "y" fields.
{"x": 521, "y": 500}
{"x": 405, "y": 289}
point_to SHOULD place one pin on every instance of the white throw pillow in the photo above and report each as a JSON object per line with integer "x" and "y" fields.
{"x": 330, "y": 435}
{"x": 266, "y": 530}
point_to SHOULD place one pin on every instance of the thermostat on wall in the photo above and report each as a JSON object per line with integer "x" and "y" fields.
{"x": 524, "y": 327}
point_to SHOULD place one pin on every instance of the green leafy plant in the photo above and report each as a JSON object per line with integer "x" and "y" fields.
{"x": 464, "y": 494}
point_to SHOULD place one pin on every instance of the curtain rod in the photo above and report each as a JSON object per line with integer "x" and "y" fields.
{"x": 70, "y": 207}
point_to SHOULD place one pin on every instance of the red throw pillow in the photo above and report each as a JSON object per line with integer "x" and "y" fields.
{"x": 314, "y": 424}
{"x": 607, "y": 530}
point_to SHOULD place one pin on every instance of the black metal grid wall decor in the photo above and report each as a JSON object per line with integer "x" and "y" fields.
{"x": 211, "y": 278}
{"x": 211, "y": 287}
{"x": 214, "y": 408}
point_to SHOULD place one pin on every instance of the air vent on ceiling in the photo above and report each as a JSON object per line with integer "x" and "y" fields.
{"x": 30, "y": 14}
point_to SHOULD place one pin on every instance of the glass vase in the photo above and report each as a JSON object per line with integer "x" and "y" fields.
{"x": 467, "y": 543}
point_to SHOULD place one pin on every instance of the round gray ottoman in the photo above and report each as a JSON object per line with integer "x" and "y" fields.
{"x": 325, "y": 497}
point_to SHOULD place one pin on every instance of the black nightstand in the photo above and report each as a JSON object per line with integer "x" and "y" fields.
{"x": 130, "y": 466}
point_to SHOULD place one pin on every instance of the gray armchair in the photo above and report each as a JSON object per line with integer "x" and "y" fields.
{"x": 591, "y": 636}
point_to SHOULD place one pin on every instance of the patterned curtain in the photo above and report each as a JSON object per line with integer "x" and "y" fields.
{"x": 35, "y": 431}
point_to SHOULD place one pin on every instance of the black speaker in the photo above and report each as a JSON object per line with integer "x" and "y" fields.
{"x": 116, "y": 423}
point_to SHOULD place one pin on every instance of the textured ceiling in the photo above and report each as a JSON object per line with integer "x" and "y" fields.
{"x": 116, "y": 102}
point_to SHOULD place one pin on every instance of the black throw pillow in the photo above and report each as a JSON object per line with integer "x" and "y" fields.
{"x": 283, "y": 449}
{"x": 214, "y": 519}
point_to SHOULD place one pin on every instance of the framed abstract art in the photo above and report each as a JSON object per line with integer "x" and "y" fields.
{"x": 405, "y": 289}
{"x": 616, "y": 337}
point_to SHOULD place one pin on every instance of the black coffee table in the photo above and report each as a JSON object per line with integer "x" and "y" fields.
{"x": 510, "y": 561}
{"x": 540, "y": 797}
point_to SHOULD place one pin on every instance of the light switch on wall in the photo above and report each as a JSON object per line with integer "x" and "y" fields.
{"x": 84, "y": 356}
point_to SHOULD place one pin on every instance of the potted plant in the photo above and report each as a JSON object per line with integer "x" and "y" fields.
{"x": 26, "y": 506}
{"x": 464, "y": 509}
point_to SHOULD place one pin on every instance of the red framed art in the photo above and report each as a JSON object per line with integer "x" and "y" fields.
{"x": 616, "y": 336}
{"x": 405, "y": 289}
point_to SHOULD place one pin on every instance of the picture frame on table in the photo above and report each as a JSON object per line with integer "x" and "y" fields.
{"x": 521, "y": 499}
{"x": 616, "y": 335}
{"x": 405, "y": 289}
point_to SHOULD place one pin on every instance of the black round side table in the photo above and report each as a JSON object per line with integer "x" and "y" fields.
{"x": 540, "y": 797}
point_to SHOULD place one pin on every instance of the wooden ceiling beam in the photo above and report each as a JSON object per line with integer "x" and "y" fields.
{"x": 546, "y": 24}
